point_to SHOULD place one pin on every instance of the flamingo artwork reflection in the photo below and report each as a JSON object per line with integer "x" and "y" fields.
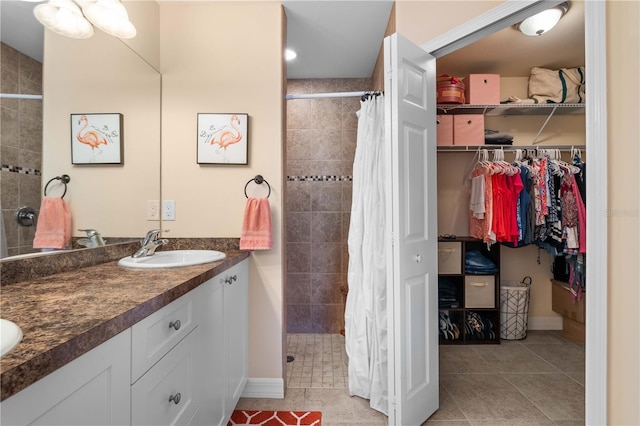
{"x": 92, "y": 138}
{"x": 225, "y": 137}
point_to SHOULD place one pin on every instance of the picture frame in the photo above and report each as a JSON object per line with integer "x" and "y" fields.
{"x": 97, "y": 138}
{"x": 223, "y": 139}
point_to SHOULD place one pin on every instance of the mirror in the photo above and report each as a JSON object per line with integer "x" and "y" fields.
{"x": 103, "y": 75}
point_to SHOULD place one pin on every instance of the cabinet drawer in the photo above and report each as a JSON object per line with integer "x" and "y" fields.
{"x": 449, "y": 258}
{"x": 479, "y": 291}
{"x": 155, "y": 335}
{"x": 165, "y": 394}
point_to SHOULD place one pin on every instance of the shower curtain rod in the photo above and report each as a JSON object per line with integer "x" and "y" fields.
{"x": 328, "y": 95}
{"x": 19, "y": 96}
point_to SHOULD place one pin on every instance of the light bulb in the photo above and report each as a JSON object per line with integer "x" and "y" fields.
{"x": 111, "y": 17}
{"x": 290, "y": 54}
{"x": 63, "y": 17}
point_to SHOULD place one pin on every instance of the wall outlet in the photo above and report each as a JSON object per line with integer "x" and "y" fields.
{"x": 168, "y": 210}
{"x": 153, "y": 210}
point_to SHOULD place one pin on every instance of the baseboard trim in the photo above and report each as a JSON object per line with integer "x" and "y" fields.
{"x": 264, "y": 388}
{"x": 545, "y": 323}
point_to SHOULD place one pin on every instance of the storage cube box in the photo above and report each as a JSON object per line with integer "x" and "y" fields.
{"x": 562, "y": 302}
{"x": 444, "y": 126}
{"x": 479, "y": 291}
{"x": 482, "y": 89}
{"x": 468, "y": 129}
{"x": 449, "y": 258}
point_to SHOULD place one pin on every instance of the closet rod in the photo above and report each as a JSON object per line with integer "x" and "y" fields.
{"x": 326, "y": 95}
{"x": 509, "y": 148}
{"x": 19, "y": 96}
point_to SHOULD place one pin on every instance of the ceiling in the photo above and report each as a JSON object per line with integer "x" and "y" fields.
{"x": 335, "y": 39}
{"x": 341, "y": 39}
{"x": 20, "y": 29}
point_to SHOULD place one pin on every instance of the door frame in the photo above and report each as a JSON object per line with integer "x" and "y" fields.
{"x": 503, "y": 16}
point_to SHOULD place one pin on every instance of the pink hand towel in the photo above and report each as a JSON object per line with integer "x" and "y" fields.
{"x": 256, "y": 226}
{"x": 53, "y": 229}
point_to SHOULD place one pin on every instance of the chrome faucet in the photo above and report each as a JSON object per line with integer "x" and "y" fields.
{"x": 94, "y": 239}
{"x": 149, "y": 244}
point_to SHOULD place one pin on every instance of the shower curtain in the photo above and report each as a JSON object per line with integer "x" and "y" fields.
{"x": 366, "y": 306}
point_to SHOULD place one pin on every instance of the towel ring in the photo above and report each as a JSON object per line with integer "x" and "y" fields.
{"x": 258, "y": 180}
{"x": 65, "y": 179}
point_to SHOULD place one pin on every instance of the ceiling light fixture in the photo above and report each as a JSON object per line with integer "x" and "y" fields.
{"x": 542, "y": 22}
{"x": 290, "y": 54}
{"x": 65, "y": 18}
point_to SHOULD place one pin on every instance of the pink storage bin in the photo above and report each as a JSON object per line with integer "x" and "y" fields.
{"x": 482, "y": 89}
{"x": 444, "y": 126}
{"x": 468, "y": 129}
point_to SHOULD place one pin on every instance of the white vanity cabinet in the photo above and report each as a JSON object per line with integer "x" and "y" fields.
{"x": 236, "y": 324}
{"x": 93, "y": 389}
{"x": 224, "y": 336}
{"x": 155, "y": 335}
{"x": 185, "y": 364}
{"x": 166, "y": 394}
{"x": 164, "y": 349}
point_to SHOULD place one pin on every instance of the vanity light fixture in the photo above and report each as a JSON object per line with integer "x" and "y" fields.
{"x": 542, "y": 22}
{"x": 66, "y": 18}
{"x": 63, "y": 17}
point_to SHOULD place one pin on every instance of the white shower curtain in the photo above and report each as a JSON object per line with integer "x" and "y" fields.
{"x": 366, "y": 306}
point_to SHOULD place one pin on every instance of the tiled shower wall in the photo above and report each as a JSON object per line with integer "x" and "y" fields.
{"x": 320, "y": 147}
{"x": 20, "y": 145}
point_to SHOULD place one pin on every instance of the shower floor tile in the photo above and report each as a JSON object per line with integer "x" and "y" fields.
{"x": 319, "y": 361}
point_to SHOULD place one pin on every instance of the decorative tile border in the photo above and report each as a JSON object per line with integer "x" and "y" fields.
{"x": 20, "y": 170}
{"x": 320, "y": 178}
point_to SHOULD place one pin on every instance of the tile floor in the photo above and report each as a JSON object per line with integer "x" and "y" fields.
{"x": 537, "y": 381}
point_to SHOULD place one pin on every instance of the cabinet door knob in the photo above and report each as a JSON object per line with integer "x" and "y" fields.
{"x": 175, "y": 398}
{"x": 231, "y": 279}
{"x": 175, "y": 325}
{"x": 418, "y": 258}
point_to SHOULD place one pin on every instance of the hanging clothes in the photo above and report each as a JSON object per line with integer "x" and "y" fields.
{"x": 366, "y": 306}
{"x": 539, "y": 202}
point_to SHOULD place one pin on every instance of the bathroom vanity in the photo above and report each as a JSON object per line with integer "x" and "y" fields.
{"x": 107, "y": 345}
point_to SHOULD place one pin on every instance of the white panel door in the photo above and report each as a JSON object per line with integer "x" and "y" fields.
{"x": 411, "y": 141}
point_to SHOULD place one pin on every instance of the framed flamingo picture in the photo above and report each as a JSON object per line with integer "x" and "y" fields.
{"x": 96, "y": 139}
{"x": 223, "y": 139}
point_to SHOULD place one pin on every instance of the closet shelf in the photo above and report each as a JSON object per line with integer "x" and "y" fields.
{"x": 506, "y": 148}
{"x": 512, "y": 109}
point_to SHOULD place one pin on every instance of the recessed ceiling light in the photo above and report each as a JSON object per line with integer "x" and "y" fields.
{"x": 290, "y": 54}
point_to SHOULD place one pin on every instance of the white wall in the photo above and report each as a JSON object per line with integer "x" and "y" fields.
{"x": 102, "y": 75}
{"x": 226, "y": 57}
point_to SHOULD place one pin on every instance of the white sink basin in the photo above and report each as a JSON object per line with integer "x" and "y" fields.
{"x": 173, "y": 259}
{"x": 10, "y": 336}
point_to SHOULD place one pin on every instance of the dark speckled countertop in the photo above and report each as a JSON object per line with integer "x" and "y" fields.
{"x": 67, "y": 314}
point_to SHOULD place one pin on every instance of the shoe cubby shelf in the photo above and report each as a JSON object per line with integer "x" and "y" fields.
{"x": 468, "y": 291}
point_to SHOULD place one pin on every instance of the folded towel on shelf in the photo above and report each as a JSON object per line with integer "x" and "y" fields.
{"x": 53, "y": 227}
{"x": 256, "y": 226}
